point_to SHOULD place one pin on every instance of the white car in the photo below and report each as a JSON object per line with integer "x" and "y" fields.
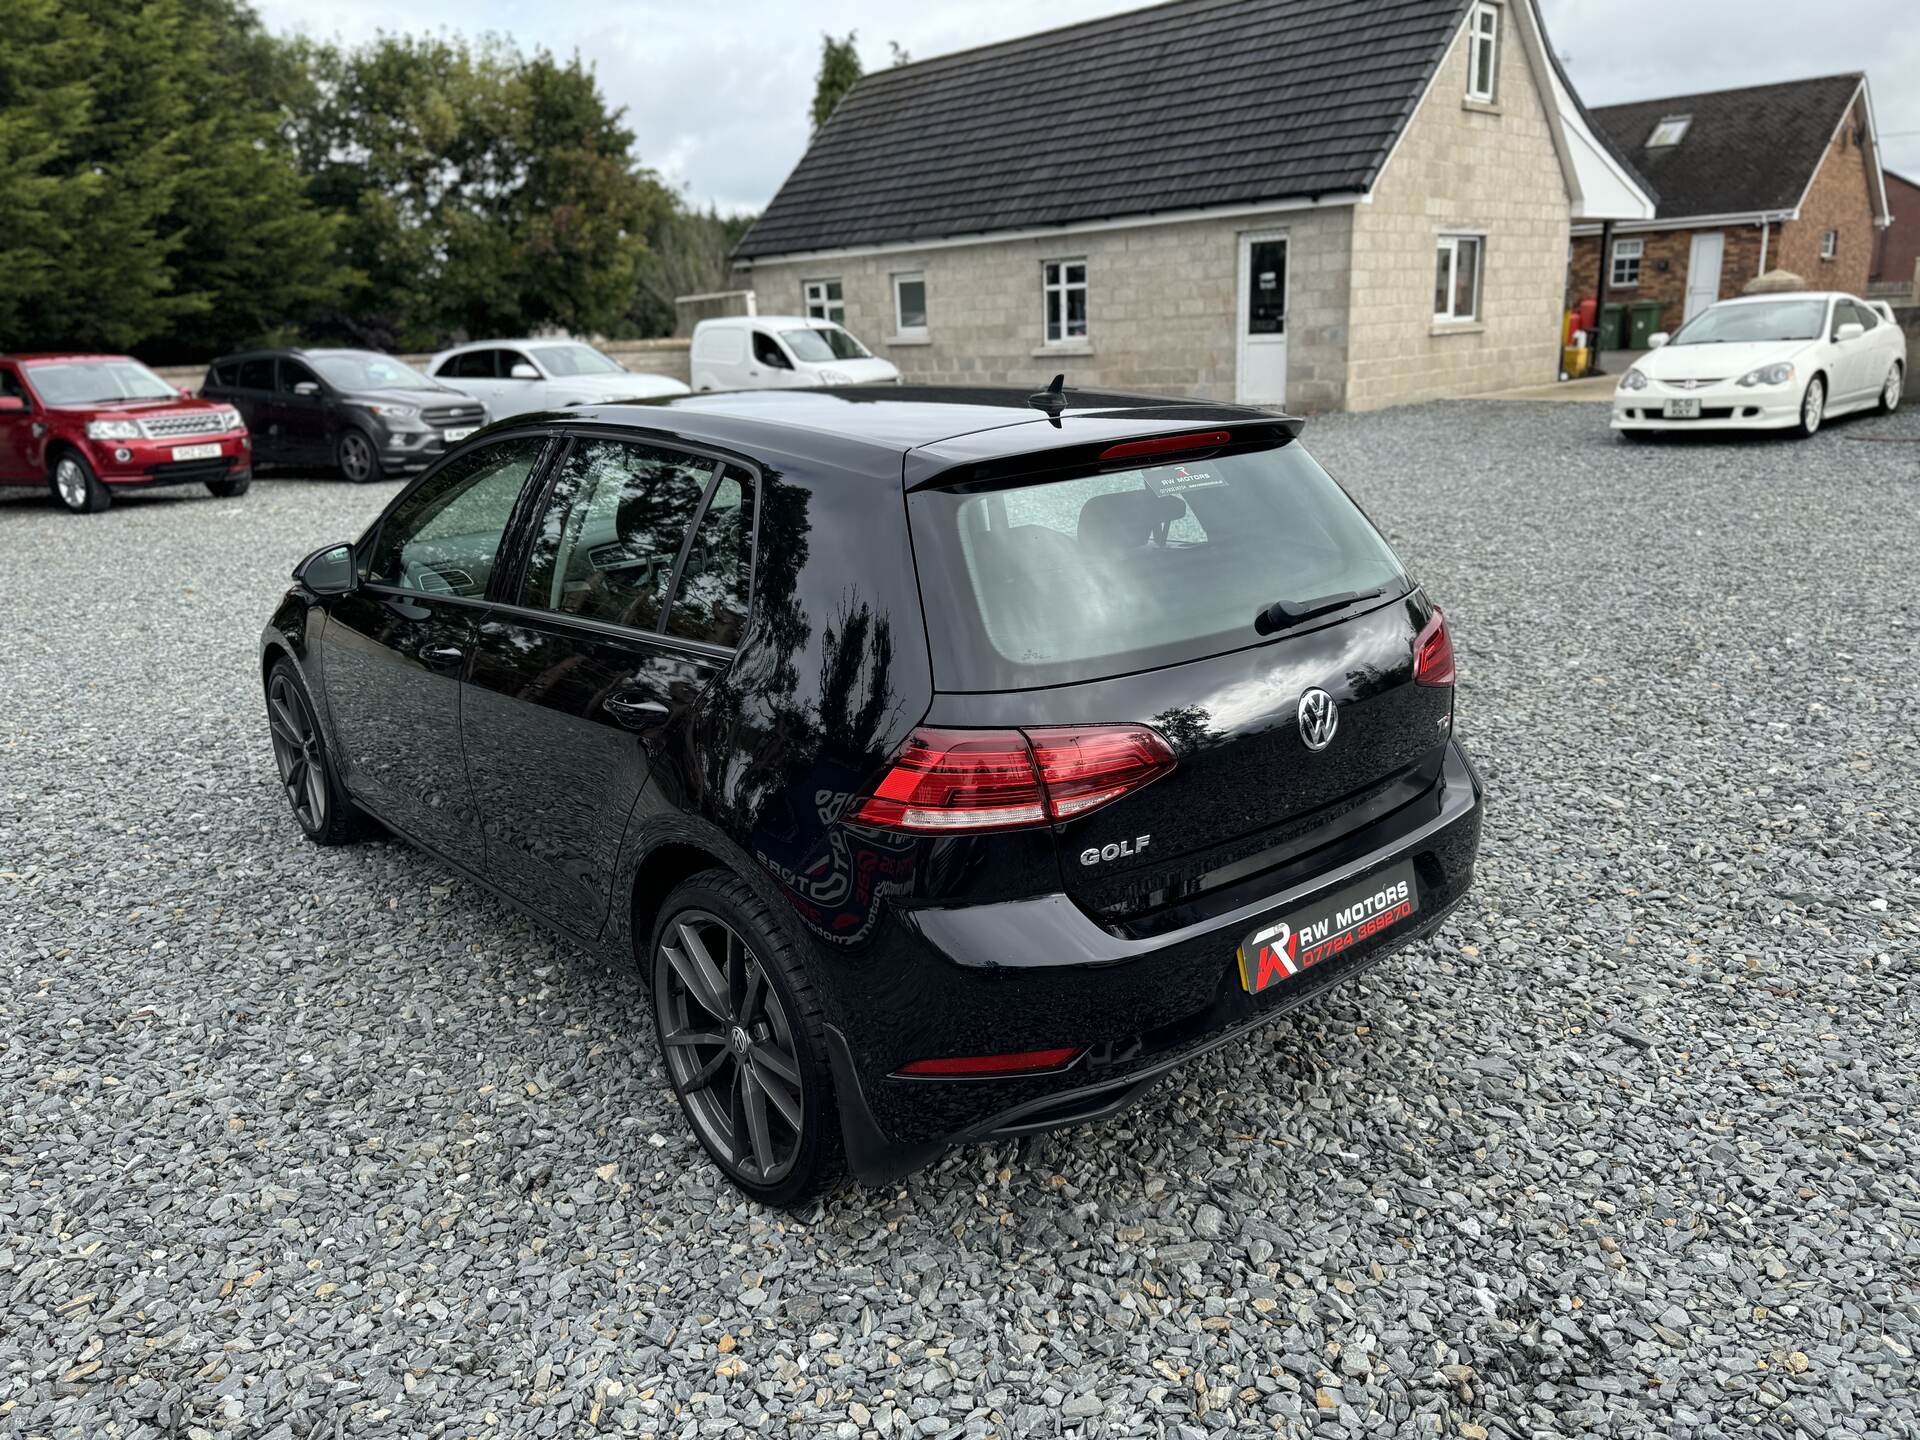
{"x": 1766, "y": 362}
{"x": 514, "y": 377}
{"x": 766, "y": 352}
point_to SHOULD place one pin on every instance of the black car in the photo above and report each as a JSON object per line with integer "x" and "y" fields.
{"x": 360, "y": 412}
{"x": 953, "y": 762}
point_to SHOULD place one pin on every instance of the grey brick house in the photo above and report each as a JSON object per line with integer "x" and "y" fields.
{"x": 1320, "y": 204}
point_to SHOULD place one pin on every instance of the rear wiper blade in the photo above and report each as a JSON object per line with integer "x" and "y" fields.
{"x": 1284, "y": 613}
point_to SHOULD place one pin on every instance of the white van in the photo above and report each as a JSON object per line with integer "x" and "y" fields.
{"x": 762, "y": 352}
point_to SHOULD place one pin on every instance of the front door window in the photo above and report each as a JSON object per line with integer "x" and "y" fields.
{"x": 443, "y": 538}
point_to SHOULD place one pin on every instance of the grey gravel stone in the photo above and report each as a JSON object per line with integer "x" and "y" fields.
{"x": 322, "y": 1145}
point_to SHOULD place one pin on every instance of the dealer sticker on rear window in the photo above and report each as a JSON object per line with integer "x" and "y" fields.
{"x": 1177, "y": 480}
{"x": 1278, "y": 951}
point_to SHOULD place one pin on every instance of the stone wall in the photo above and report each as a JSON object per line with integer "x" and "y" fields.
{"x": 1463, "y": 168}
{"x": 1162, "y": 304}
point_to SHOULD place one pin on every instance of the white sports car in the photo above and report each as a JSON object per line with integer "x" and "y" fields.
{"x": 1766, "y": 362}
{"x": 514, "y": 377}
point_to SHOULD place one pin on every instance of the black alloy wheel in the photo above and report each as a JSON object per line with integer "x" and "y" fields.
{"x": 741, "y": 1036}
{"x": 357, "y": 458}
{"x": 300, "y": 755}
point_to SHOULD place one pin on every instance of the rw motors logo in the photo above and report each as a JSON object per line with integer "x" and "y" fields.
{"x": 1280, "y": 951}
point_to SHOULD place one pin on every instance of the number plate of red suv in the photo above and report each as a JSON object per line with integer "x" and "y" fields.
{"x": 1278, "y": 950}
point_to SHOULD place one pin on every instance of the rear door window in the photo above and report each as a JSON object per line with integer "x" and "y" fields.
{"x": 606, "y": 546}
{"x": 256, "y": 374}
{"x": 1069, "y": 579}
{"x": 710, "y": 603}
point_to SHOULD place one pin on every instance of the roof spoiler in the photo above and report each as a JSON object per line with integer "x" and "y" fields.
{"x": 1088, "y": 443}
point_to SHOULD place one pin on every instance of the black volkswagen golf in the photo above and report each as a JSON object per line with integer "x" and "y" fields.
{"x": 953, "y": 762}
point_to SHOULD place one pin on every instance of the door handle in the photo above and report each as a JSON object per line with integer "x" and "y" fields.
{"x": 441, "y": 657}
{"x": 636, "y": 713}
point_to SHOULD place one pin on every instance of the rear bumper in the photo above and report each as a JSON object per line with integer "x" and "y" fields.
{"x": 1142, "y": 1007}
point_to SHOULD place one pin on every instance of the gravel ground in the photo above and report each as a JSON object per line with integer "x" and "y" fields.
{"x": 303, "y": 1143}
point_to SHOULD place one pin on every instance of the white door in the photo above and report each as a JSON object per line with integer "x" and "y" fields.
{"x": 1703, "y": 270}
{"x": 1262, "y": 321}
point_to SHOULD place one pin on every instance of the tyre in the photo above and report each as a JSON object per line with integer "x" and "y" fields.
{"x": 306, "y": 771}
{"x": 75, "y": 485}
{"x": 228, "y": 489}
{"x": 1890, "y": 392}
{"x": 357, "y": 457}
{"x": 743, "y": 1042}
{"x": 1813, "y": 408}
{"x": 1634, "y": 437}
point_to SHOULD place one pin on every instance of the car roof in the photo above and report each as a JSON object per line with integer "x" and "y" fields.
{"x": 1789, "y": 295}
{"x": 524, "y": 342}
{"x": 29, "y": 357}
{"x": 729, "y": 322}
{"x": 942, "y": 425}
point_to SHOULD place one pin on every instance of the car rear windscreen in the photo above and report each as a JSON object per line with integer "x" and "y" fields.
{"x": 1078, "y": 578}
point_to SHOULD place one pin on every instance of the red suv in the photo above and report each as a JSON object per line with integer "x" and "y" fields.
{"x": 87, "y": 425}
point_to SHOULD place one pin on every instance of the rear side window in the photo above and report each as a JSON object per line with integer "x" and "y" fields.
{"x": 222, "y": 374}
{"x": 470, "y": 365}
{"x": 1102, "y": 574}
{"x": 613, "y": 527}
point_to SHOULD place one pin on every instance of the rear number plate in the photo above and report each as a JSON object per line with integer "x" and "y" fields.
{"x": 460, "y": 434}
{"x": 1279, "y": 950}
{"x": 195, "y": 452}
{"x": 1681, "y": 410}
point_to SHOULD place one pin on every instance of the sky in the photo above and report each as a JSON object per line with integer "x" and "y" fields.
{"x": 718, "y": 94}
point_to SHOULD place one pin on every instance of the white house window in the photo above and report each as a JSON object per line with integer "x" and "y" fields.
{"x": 1483, "y": 51}
{"x": 1670, "y": 131}
{"x": 1627, "y": 255}
{"x": 1456, "y": 283}
{"x": 1830, "y": 245}
{"x": 1063, "y": 286}
{"x": 910, "y": 306}
{"x": 824, "y": 301}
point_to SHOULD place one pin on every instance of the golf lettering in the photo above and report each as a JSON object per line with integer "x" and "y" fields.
{"x": 1094, "y": 854}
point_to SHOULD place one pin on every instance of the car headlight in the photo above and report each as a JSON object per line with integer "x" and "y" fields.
{"x": 1768, "y": 375}
{"x": 231, "y": 419}
{"x": 388, "y": 410}
{"x": 1633, "y": 380}
{"x": 113, "y": 429}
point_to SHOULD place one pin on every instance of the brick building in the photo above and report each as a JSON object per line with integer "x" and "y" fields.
{"x": 1896, "y": 261}
{"x": 1320, "y": 204}
{"x": 1771, "y": 177}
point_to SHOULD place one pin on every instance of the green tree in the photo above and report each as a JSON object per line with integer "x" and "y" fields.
{"x": 839, "y": 72}
{"x": 148, "y": 195}
{"x": 487, "y": 192}
{"x": 689, "y": 252}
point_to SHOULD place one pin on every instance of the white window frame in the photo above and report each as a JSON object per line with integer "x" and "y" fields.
{"x": 817, "y": 304}
{"x": 1634, "y": 250}
{"x": 896, "y": 280}
{"x": 1054, "y": 291}
{"x": 1483, "y": 27}
{"x": 1830, "y": 245}
{"x": 1449, "y": 245}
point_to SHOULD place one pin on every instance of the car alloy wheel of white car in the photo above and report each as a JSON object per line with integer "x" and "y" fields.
{"x": 1890, "y": 396}
{"x": 1814, "y": 408}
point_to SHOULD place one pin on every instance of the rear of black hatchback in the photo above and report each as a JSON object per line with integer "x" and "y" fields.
{"x": 1187, "y": 760}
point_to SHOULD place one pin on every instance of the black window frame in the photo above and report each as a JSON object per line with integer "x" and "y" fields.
{"x": 509, "y": 579}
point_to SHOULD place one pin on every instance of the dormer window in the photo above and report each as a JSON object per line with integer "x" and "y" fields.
{"x": 1670, "y": 131}
{"x": 1483, "y": 51}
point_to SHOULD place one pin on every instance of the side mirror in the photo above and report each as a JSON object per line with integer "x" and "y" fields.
{"x": 328, "y": 572}
{"x": 12, "y": 405}
{"x": 1657, "y": 339}
{"x": 306, "y": 387}
{"x": 523, "y": 371}
{"x": 1852, "y": 330}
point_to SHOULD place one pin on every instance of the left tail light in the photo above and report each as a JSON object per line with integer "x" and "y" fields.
{"x": 1433, "y": 652}
{"x": 947, "y": 782}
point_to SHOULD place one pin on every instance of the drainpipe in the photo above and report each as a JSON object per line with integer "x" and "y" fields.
{"x": 1765, "y": 229}
{"x": 1600, "y": 294}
